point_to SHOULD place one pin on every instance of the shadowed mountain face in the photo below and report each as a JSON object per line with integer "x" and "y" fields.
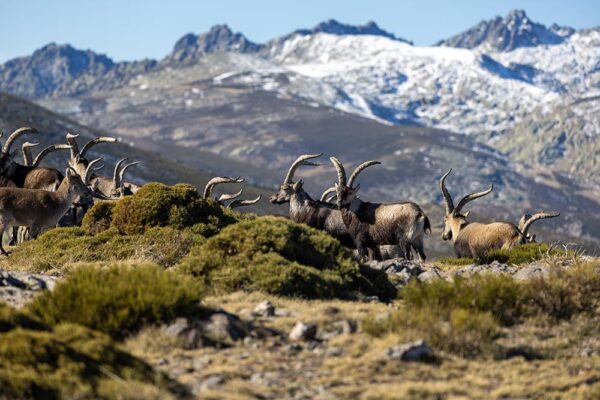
{"x": 506, "y": 34}
{"x": 222, "y": 103}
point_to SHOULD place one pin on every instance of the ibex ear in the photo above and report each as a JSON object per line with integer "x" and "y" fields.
{"x": 70, "y": 172}
{"x": 467, "y": 214}
{"x": 298, "y": 185}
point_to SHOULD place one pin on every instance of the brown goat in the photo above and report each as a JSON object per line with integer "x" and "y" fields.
{"x": 474, "y": 239}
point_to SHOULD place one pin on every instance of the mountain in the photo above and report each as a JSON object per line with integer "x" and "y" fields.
{"x": 62, "y": 69}
{"x": 337, "y": 28}
{"x": 220, "y": 38}
{"x": 508, "y": 33}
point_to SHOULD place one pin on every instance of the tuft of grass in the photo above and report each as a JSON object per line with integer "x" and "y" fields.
{"x": 69, "y": 361}
{"x": 62, "y": 247}
{"x": 274, "y": 255}
{"x": 518, "y": 255}
{"x": 118, "y": 299}
{"x": 179, "y": 206}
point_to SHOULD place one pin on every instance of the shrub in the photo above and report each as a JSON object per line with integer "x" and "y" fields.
{"x": 99, "y": 217}
{"x": 178, "y": 206}
{"x": 62, "y": 247}
{"x": 274, "y": 255}
{"x": 118, "y": 299}
{"x": 69, "y": 361}
{"x": 521, "y": 254}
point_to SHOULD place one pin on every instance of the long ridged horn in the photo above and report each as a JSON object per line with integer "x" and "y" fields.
{"x": 359, "y": 169}
{"x": 241, "y": 203}
{"x": 341, "y": 173}
{"x": 217, "y": 181}
{"x": 48, "y": 150}
{"x": 225, "y": 197}
{"x": 95, "y": 141}
{"x": 300, "y": 161}
{"x": 90, "y": 168}
{"x": 536, "y": 217}
{"x": 326, "y": 193}
{"x": 472, "y": 196}
{"x": 71, "y": 139}
{"x": 116, "y": 175}
{"x": 447, "y": 196}
{"x": 122, "y": 172}
{"x": 15, "y": 135}
{"x": 26, "y": 149}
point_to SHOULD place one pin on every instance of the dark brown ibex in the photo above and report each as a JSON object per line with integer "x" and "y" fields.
{"x": 474, "y": 239}
{"x": 375, "y": 224}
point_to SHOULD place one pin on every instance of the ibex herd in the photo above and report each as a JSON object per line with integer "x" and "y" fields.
{"x": 371, "y": 228}
{"x": 34, "y": 199}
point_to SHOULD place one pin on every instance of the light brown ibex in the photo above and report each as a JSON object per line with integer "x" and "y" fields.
{"x": 375, "y": 224}
{"x": 474, "y": 239}
{"x": 39, "y": 209}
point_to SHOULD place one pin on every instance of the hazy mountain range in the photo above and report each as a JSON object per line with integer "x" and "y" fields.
{"x": 508, "y": 101}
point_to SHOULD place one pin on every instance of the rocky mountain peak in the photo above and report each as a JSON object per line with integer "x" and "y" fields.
{"x": 508, "y": 33}
{"x": 335, "y": 27}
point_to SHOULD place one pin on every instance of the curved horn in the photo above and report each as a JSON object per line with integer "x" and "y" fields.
{"x": 241, "y": 203}
{"x": 470, "y": 197}
{"x": 15, "y": 135}
{"x": 89, "y": 169}
{"x": 73, "y": 144}
{"x": 536, "y": 217}
{"x": 326, "y": 193}
{"x": 116, "y": 175}
{"x": 49, "y": 150}
{"x": 300, "y": 161}
{"x": 217, "y": 181}
{"x": 341, "y": 173}
{"x": 447, "y": 196}
{"x": 224, "y": 197}
{"x": 359, "y": 169}
{"x": 125, "y": 169}
{"x": 25, "y": 148}
{"x": 95, "y": 141}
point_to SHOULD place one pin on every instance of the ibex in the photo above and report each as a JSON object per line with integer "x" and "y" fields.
{"x": 303, "y": 209}
{"x": 81, "y": 204}
{"x": 224, "y": 198}
{"x": 115, "y": 188}
{"x": 78, "y": 160}
{"x": 473, "y": 239}
{"x": 39, "y": 209}
{"x": 374, "y": 224}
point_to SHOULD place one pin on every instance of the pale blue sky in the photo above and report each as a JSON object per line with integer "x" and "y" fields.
{"x": 127, "y": 30}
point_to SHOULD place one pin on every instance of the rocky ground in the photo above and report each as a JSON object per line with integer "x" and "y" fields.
{"x": 268, "y": 347}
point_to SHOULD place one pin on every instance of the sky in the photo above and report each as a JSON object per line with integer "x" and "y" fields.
{"x": 131, "y": 30}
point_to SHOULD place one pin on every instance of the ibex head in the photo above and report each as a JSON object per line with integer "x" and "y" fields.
{"x": 455, "y": 219}
{"x": 333, "y": 190}
{"x": 78, "y": 158}
{"x": 6, "y": 155}
{"x": 288, "y": 188}
{"x": 345, "y": 192}
{"x": 76, "y": 184}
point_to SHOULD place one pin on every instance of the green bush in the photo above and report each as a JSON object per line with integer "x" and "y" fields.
{"x": 62, "y": 247}
{"x": 118, "y": 299}
{"x": 274, "y": 255}
{"x": 522, "y": 254}
{"x": 68, "y": 361}
{"x": 99, "y": 217}
{"x": 463, "y": 316}
{"x": 178, "y": 206}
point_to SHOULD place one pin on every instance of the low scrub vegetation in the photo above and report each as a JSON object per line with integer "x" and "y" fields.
{"x": 518, "y": 255}
{"x": 62, "y": 247}
{"x": 119, "y": 299}
{"x": 70, "y": 361}
{"x": 276, "y": 256}
{"x": 464, "y": 316}
{"x": 179, "y": 206}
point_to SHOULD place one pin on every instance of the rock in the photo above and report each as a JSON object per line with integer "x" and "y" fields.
{"x": 221, "y": 328}
{"x": 532, "y": 271}
{"x": 431, "y": 274}
{"x": 19, "y": 288}
{"x": 495, "y": 268}
{"x": 370, "y": 299}
{"x": 302, "y": 331}
{"x": 209, "y": 383}
{"x": 414, "y": 351}
{"x": 264, "y": 309}
{"x": 341, "y": 327}
{"x": 399, "y": 270}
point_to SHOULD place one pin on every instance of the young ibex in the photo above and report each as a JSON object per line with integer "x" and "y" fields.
{"x": 473, "y": 239}
{"x": 374, "y": 224}
{"x": 303, "y": 209}
{"x": 39, "y": 209}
